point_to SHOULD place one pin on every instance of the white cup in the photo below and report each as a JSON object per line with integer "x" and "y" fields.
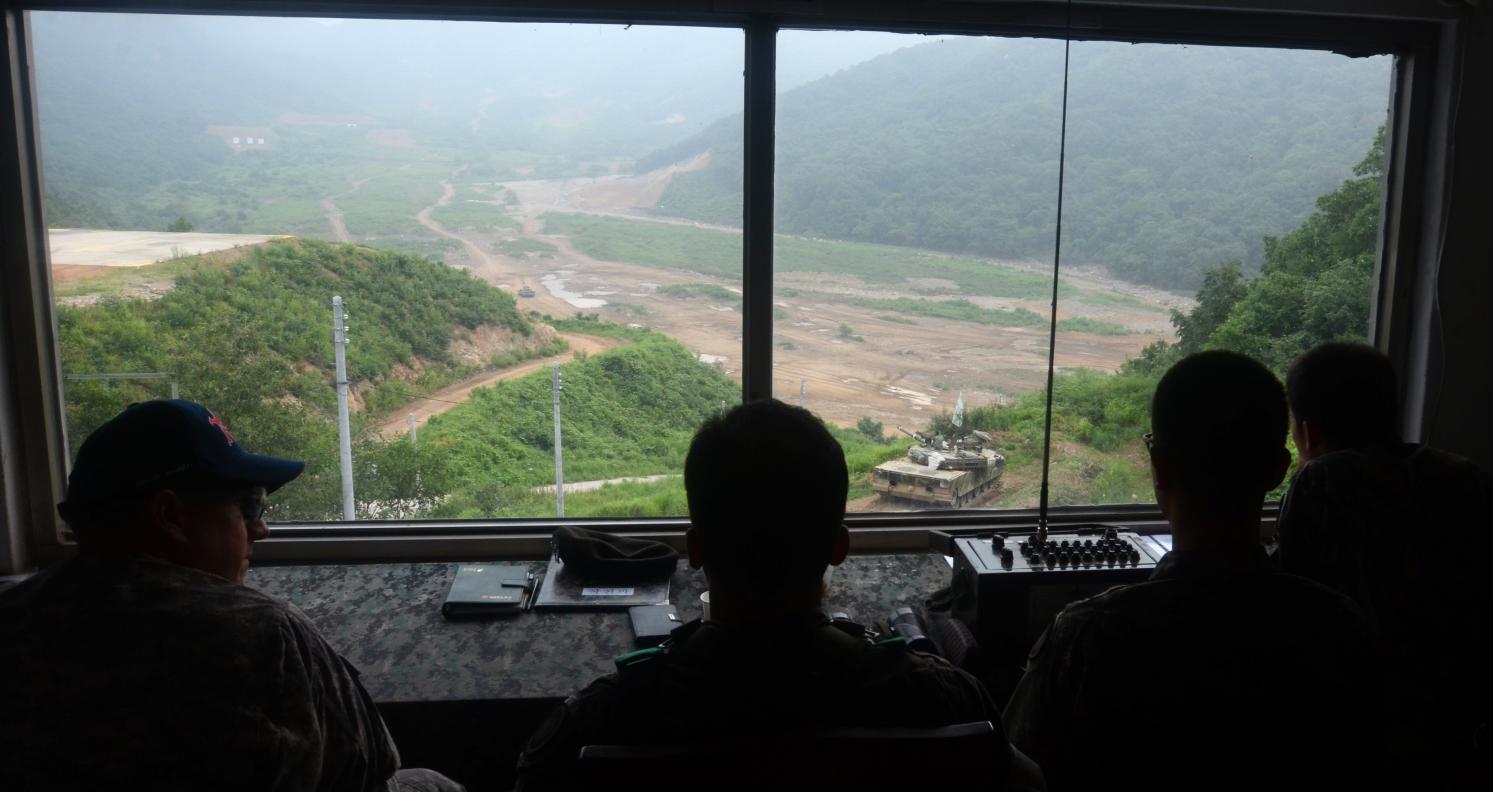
{"x": 705, "y": 605}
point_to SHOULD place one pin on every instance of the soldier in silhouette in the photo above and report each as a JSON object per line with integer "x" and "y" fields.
{"x": 1219, "y": 672}
{"x": 1404, "y": 530}
{"x": 768, "y": 660}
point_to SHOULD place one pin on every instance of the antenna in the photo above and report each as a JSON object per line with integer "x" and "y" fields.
{"x": 1057, "y": 251}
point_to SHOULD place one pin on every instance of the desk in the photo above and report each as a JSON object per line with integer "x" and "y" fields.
{"x": 386, "y": 619}
{"x": 463, "y": 697}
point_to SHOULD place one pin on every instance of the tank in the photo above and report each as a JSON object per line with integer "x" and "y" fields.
{"x": 525, "y": 291}
{"x": 939, "y": 473}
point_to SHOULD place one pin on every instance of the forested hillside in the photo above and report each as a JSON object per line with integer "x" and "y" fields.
{"x": 252, "y": 339}
{"x": 1314, "y": 287}
{"x": 1178, "y": 158}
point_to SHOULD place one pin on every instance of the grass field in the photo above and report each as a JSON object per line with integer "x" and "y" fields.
{"x": 718, "y": 253}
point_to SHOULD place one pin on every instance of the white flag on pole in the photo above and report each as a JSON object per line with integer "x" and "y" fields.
{"x": 959, "y": 410}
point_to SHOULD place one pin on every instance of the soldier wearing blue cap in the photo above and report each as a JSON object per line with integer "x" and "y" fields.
{"x": 144, "y": 662}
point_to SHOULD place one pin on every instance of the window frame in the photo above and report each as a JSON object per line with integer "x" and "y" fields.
{"x": 32, "y": 430}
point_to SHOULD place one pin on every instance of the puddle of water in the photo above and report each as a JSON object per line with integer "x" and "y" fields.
{"x": 555, "y": 285}
{"x": 712, "y": 359}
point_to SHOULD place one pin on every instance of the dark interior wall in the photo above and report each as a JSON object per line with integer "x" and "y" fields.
{"x": 1459, "y": 404}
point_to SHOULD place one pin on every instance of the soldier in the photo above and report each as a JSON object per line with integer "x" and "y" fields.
{"x": 768, "y": 660}
{"x": 145, "y": 662}
{"x": 1218, "y": 672}
{"x": 1402, "y": 529}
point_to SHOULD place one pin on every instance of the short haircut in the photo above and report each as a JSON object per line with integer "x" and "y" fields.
{"x": 766, "y": 484}
{"x": 1348, "y": 392}
{"x": 1220, "y": 419}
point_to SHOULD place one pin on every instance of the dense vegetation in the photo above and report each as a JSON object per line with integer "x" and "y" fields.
{"x": 1314, "y": 287}
{"x": 627, "y": 412}
{"x": 1177, "y": 157}
{"x": 252, "y": 339}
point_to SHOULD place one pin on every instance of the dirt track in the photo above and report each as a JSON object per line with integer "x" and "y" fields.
{"x": 898, "y": 373}
{"x": 334, "y": 214}
{"x": 425, "y": 408}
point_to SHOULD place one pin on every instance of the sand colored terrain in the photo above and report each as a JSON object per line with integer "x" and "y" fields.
{"x": 74, "y": 247}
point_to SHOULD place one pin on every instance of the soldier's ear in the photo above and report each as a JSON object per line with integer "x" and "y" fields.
{"x": 692, "y": 547}
{"x": 841, "y": 547}
{"x": 166, "y": 515}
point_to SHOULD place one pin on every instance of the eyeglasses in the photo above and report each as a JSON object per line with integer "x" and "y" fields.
{"x": 253, "y": 505}
{"x": 1149, "y": 438}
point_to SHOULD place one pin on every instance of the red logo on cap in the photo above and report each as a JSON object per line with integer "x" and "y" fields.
{"x": 218, "y": 422}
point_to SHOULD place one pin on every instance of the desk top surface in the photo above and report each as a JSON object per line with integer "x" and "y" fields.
{"x": 386, "y": 619}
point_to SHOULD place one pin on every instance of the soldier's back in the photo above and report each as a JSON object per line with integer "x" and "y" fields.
{"x": 717, "y": 683}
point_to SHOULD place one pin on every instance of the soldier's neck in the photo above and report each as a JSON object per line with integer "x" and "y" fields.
{"x": 1210, "y": 531}
{"x": 743, "y": 607}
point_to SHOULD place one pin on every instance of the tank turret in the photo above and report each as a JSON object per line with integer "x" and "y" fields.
{"x": 940, "y": 472}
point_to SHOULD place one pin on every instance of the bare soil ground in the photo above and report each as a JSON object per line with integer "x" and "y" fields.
{"x": 90, "y": 248}
{"x": 899, "y": 373}
{"x": 425, "y": 408}
{"x": 334, "y": 214}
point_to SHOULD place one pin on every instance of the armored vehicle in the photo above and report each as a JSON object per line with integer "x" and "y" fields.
{"x": 939, "y": 473}
{"x": 526, "y": 291}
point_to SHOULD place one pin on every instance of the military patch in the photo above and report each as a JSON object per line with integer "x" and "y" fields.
{"x": 640, "y": 656}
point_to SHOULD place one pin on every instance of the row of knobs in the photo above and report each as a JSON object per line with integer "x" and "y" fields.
{"x": 1108, "y": 551}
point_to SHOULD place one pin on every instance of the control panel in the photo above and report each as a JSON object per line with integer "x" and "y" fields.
{"x": 1017, "y": 584}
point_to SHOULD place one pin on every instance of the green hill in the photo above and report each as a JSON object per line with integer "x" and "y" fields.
{"x": 252, "y": 340}
{"x": 1178, "y": 158}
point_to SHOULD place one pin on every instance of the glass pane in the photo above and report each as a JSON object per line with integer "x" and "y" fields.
{"x": 916, "y": 199}
{"x": 484, "y": 196}
{"x": 1216, "y": 197}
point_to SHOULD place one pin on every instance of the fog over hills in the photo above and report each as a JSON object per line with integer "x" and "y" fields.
{"x": 1178, "y": 158}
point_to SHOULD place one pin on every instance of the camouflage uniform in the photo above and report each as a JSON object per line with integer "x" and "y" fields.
{"x": 718, "y": 681}
{"x": 1405, "y": 532}
{"x": 126, "y": 672}
{"x": 1217, "y": 673}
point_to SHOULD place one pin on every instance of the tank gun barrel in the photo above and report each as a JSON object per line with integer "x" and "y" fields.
{"x": 918, "y": 436}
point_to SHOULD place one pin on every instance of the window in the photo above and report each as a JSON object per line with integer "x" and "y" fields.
{"x": 481, "y": 197}
{"x": 913, "y": 171}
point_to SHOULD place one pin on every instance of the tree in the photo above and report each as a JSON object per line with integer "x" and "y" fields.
{"x": 1223, "y": 288}
{"x": 180, "y": 225}
{"x": 870, "y": 428}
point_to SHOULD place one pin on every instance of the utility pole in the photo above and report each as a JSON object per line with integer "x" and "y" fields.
{"x": 559, "y": 452}
{"x": 344, "y": 432}
{"x": 412, "y": 431}
{"x": 802, "y": 387}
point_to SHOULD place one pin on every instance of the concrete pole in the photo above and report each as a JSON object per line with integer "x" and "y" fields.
{"x": 412, "y": 431}
{"x": 344, "y": 431}
{"x": 559, "y": 451}
{"x": 802, "y": 388}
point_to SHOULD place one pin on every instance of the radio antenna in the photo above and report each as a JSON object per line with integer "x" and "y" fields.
{"x": 1057, "y": 251}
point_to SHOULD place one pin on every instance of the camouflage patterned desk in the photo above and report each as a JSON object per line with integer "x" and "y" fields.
{"x": 386, "y": 619}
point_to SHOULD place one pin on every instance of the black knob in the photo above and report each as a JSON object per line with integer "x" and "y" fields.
{"x": 1007, "y": 557}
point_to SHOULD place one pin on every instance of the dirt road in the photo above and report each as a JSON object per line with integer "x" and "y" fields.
{"x": 426, "y": 407}
{"x": 334, "y": 214}
{"x": 572, "y": 487}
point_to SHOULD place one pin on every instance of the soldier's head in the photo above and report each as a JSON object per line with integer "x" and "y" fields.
{"x": 1342, "y": 396}
{"x": 1218, "y": 440}
{"x": 766, "y": 485}
{"x": 167, "y": 479}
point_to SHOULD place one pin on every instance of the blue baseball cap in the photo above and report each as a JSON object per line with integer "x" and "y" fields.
{"x": 168, "y": 443}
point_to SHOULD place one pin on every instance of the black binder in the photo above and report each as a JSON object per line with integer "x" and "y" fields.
{"x": 486, "y": 590}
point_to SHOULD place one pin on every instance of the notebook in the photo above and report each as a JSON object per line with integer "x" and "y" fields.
{"x": 563, "y": 590}
{"x": 486, "y": 590}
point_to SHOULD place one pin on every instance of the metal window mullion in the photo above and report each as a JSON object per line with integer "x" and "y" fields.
{"x": 757, "y": 207}
{"x": 34, "y": 445}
